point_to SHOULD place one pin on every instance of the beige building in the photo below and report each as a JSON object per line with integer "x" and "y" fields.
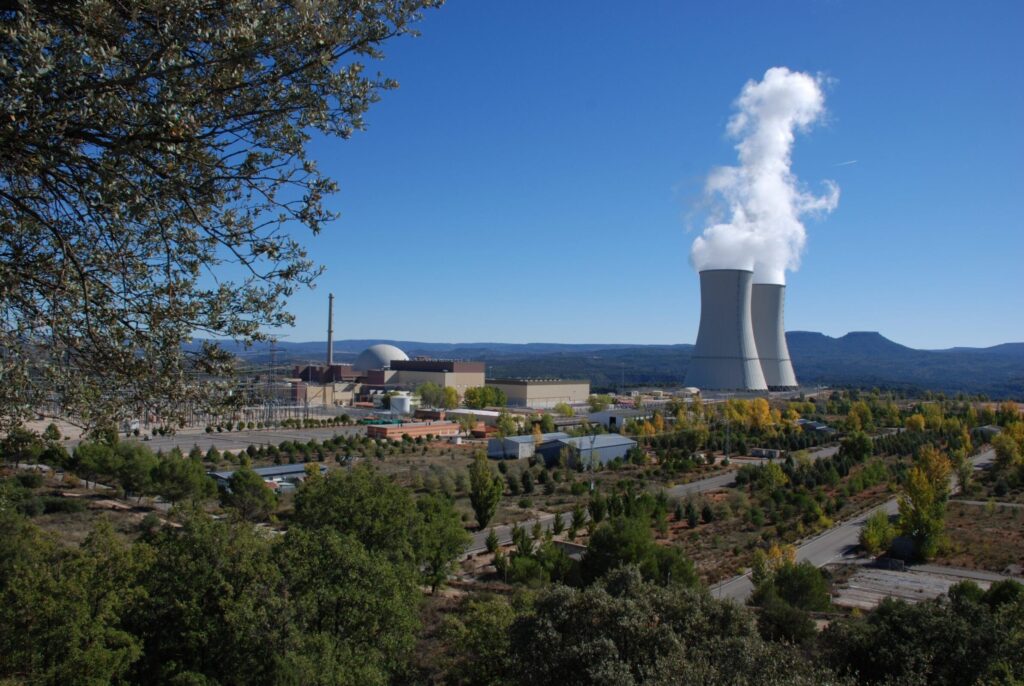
{"x": 457, "y": 374}
{"x": 542, "y": 393}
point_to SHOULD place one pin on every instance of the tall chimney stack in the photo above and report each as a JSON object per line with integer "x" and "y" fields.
{"x": 725, "y": 356}
{"x": 766, "y": 312}
{"x": 330, "y": 329}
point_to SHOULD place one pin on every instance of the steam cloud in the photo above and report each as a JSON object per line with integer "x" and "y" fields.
{"x": 763, "y": 199}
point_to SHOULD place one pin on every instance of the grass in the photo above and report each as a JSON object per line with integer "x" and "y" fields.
{"x": 986, "y": 537}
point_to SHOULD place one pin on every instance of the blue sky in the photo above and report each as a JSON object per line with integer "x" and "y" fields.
{"x": 538, "y": 174}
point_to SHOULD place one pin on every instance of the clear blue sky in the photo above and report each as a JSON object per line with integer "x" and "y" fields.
{"x": 535, "y": 176}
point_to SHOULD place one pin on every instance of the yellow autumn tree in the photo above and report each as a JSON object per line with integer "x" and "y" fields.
{"x": 923, "y": 501}
{"x": 659, "y": 423}
{"x": 759, "y": 414}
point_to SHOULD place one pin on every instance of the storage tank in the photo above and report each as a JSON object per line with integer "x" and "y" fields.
{"x": 766, "y": 313}
{"x": 402, "y": 404}
{"x": 725, "y": 356}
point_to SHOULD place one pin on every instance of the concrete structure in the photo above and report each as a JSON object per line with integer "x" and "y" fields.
{"x": 520, "y": 447}
{"x": 767, "y": 303}
{"x": 542, "y": 393}
{"x": 457, "y": 374}
{"x": 401, "y": 403}
{"x": 600, "y": 449}
{"x": 725, "y": 356}
{"x": 413, "y": 429}
{"x": 330, "y": 329}
{"x": 332, "y": 373}
{"x": 488, "y": 417}
{"x": 378, "y": 356}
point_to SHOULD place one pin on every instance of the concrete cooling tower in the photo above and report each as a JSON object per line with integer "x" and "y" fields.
{"x": 766, "y": 313}
{"x": 725, "y": 356}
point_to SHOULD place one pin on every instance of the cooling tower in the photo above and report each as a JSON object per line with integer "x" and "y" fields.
{"x": 725, "y": 356}
{"x": 766, "y": 307}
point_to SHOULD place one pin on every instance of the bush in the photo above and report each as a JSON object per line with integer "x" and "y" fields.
{"x": 877, "y": 534}
{"x": 30, "y": 479}
{"x": 31, "y": 507}
{"x": 58, "y": 504}
{"x": 150, "y": 523}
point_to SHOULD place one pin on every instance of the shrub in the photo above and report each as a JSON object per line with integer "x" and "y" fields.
{"x": 58, "y": 504}
{"x": 878, "y": 532}
{"x": 30, "y": 479}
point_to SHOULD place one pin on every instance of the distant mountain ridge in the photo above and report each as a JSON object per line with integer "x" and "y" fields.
{"x": 860, "y": 358}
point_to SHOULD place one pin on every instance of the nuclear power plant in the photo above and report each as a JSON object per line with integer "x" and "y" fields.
{"x": 741, "y": 343}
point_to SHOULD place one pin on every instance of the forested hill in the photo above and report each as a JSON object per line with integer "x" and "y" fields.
{"x": 859, "y": 358}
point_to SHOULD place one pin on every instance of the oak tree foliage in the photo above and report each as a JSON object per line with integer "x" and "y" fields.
{"x": 154, "y": 169}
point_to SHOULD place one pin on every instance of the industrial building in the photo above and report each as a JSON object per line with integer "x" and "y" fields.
{"x": 588, "y": 450}
{"x": 542, "y": 393}
{"x": 520, "y": 447}
{"x": 457, "y": 374}
{"x": 412, "y": 429}
{"x": 615, "y": 419}
{"x": 278, "y": 477}
{"x": 379, "y": 369}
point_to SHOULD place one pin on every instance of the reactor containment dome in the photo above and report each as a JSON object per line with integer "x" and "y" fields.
{"x": 378, "y": 356}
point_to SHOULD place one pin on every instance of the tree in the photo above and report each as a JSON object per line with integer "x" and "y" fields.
{"x": 491, "y": 542}
{"x": 431, "y": 394}
{"x": 179, "y": 479}
{"x": 1008, "y": 450}
{"x": 136, "y": 468}
{"x": 63, "y": 609}
{"x": 628, "y": 541}
{"x": 878, "y": 532}
{"x": 480, "y": 397}
{"x": 506, "y": 424}
{"x": 209, "y": 579}
{"x": 466, "y": 423}
{"x": 249, "y": 495}
{"x": 627, "y": 632}
{"x": 451, "y": 398}
{"x": 858, "y": 447}
{"x": 923, "y": 501}
{"x": 185, "y": 149}
{"x": 599, "y": 403}
{"x": 915, "y": 423}
{"x": 20, "y": 445}
{"x": 564, "y": 410}
{"x": 364, "y": 504}
{"x": 441, "y": 538}
{"x": 485, "y": 490}
{"x": 352, "y": 612}
{"x": 547, "y": 423}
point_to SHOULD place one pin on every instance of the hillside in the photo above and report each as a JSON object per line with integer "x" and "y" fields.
{"x": 860, "y": 358}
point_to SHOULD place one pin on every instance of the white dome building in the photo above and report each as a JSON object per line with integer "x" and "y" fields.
{"x": 378, "y": 356}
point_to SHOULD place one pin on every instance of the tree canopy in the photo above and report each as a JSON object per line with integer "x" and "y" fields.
{"x": 154, "y": 162}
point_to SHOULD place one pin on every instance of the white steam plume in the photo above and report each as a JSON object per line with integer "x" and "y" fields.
{"x": 763, "y": 198}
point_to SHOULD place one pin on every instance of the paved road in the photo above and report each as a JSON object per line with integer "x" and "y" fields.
{"x": 504, "y": 532}
{"x": 728, "y": 480}
{"x": 985, "y": 503}
{"x": 828, "y": 546}
{"x": 239, "y": 440}
{"x": 712, "y": 483}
